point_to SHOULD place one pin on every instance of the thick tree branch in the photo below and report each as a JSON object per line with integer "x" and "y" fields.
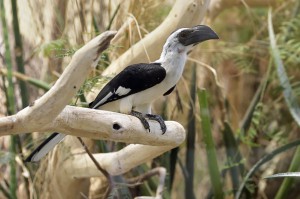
{"x": 45, "y": 109}
{"x": 103, "y": 125}
{"x": 115, "y": 163}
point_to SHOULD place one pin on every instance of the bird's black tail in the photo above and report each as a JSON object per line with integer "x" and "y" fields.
{"x": 45, "y": 147}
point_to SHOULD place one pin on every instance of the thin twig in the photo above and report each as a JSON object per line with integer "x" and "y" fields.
{"x": 211, "y": 69}
{"x": 140, "y": 35}
{"x": 160, "y": 171}
{"x": 103, "y": 171}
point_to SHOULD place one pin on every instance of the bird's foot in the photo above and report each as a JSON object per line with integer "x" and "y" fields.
{"x": 159, "y": 119}
{"x": 142, "y": 119}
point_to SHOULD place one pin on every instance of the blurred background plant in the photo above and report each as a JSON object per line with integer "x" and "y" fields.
{"x": 244, "y": 128}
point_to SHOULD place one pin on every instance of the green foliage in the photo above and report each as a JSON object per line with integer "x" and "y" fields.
{"x": 231, "y": 163}
{"x": 256, "y": 124}
{"x": 235, "y": 162}
{"x": 243, "y": 55}
{"x": 289, "y": 42}
{"x": 90, "y": 83}
{"x": 56, "y": 48}
{"x": 289, "y": 96}
{"x": 262, "y": 161}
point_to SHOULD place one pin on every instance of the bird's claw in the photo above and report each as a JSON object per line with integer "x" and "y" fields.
{"x": 142, "y": 119}
{"x": 145, "y": 123}
{"x": 159, "y": 119}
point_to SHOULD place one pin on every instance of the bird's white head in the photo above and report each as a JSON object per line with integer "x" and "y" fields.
{"x": 182, "y": 40}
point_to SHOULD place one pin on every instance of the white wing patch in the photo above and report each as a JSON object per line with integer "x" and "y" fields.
{"x": 103, "y": 99}
{"x": 122, "y": 91}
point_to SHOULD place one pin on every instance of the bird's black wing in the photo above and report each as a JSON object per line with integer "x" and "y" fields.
{"x": 132, "y": 79}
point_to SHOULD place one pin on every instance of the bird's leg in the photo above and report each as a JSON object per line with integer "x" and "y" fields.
{"x": 141, "y": 118}
{"x": 159, "y": 119}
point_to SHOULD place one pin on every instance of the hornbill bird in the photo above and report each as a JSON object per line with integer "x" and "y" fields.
{"x": 134, "y": 89}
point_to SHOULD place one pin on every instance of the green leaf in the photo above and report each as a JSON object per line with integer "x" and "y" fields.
{"x": 190, "y": 140}
{"x": 284, "y": 175}
{"x": 39, "y": 84}
{"x": 289, "y": 96}
{"x": 262, "y": 161}
{"x": 233, "y": 156}
{"x": 290, "y": 99}
{"x": 214, "y": 172}
{"x": 287, "y": 182}
{"x": 49, "y": 49}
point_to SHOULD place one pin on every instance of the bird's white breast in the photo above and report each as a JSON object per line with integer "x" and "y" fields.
{"x": 174, "y": 66}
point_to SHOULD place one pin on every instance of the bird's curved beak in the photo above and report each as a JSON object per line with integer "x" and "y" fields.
{"x": 199, "y": 34}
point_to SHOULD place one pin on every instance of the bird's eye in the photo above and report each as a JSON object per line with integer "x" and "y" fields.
{"x": 183, "y": 35}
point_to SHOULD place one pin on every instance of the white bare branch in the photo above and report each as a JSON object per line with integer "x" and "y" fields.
{"x": 115, "y": 163}
{"x": 45, "y": 109}
{"x": 105, "y": 125}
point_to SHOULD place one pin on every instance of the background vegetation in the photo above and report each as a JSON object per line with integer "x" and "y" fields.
{"x": 242, "y": 128}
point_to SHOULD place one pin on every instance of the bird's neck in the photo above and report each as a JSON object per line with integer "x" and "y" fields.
{"x": 173, "y": 61}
